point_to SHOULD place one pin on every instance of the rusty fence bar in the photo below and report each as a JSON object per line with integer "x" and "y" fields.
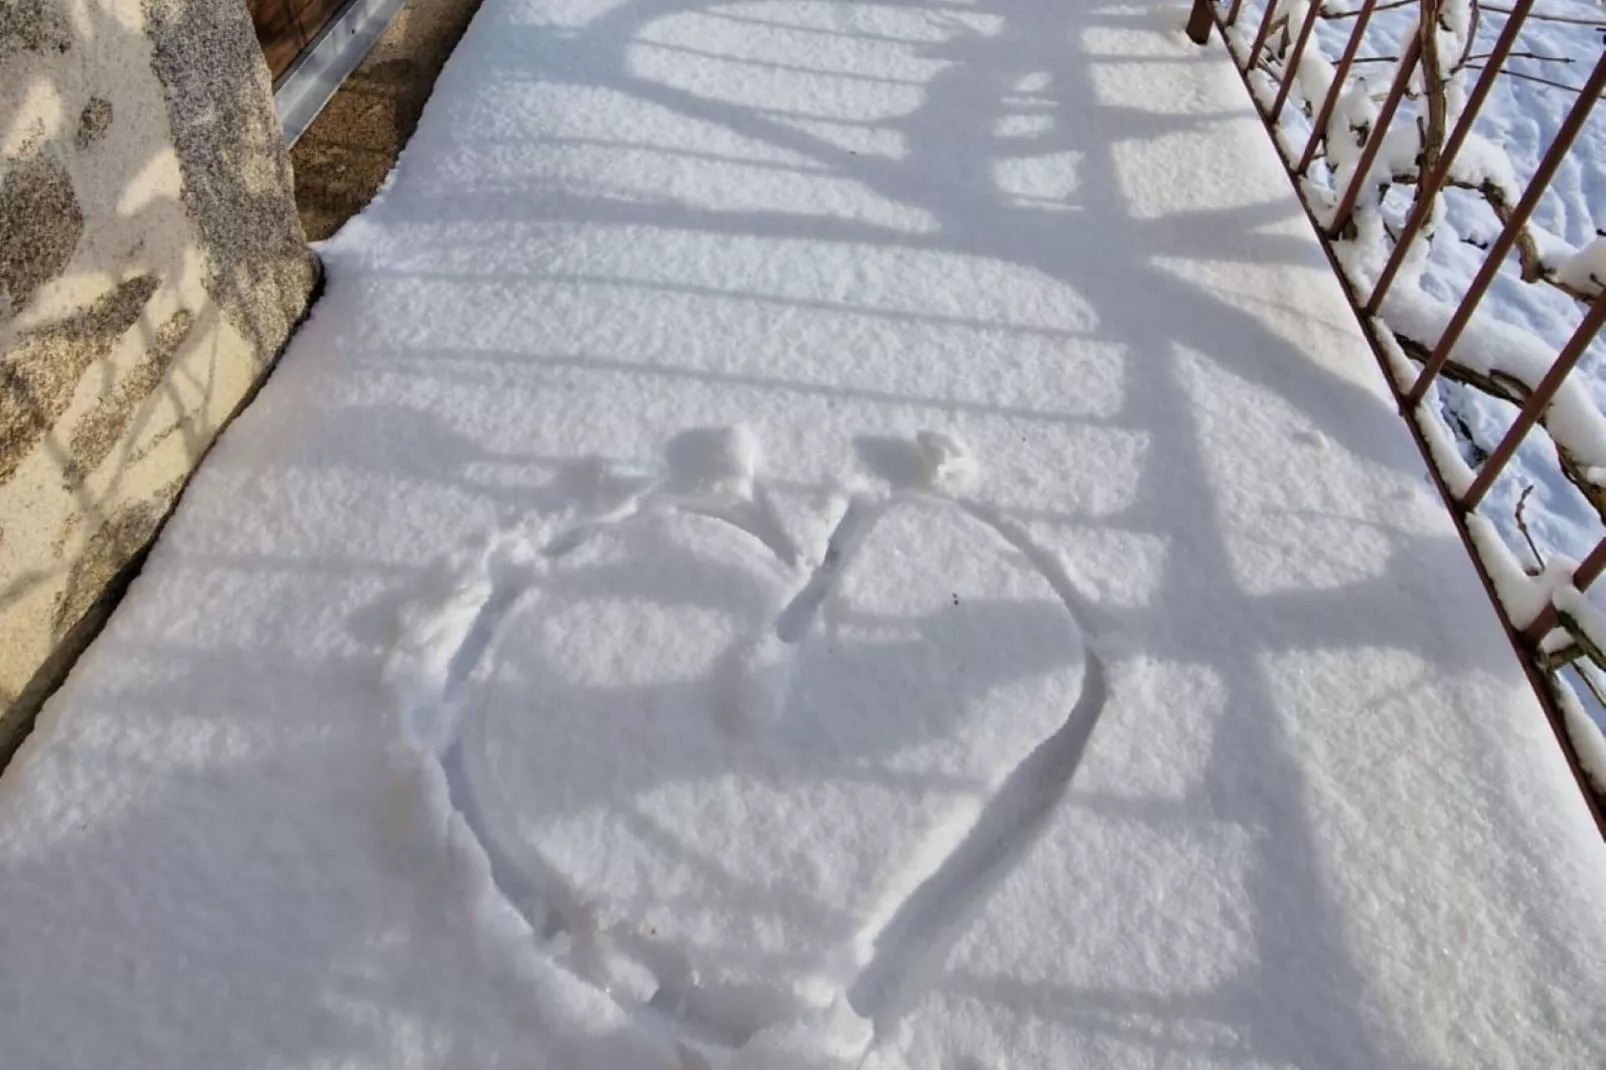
{"x": 1291, "y": 64}
{"x": 1590, "y": 568}
{"x": 1374, "y": 137}
{"x": 1502, "y": 246}
{"x": 1536, "y": 404}
{"x": 1264, "y": 32}
{"x": 1528, "y": 638}
{"x": 1434, "y": 180}
{"x": 1324, "y": 114}
{"x": 1587, "y": 572}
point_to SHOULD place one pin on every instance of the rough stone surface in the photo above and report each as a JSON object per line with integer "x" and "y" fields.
{"x": 151, "y": 268}
{"x": 236, "y": 170}
{"x": 114, "y": 542}
{"x": 39, "y": 226}
{"x": 104, "y": 426}
{"x": 33, "y": 26}
{"x": 93, "y": 121}
{"x": 96, "y": 584}
{"x": 41, "y": 372}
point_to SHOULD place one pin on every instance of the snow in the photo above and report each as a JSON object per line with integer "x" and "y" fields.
{"x": 1586, "y": 736}
{"x": 1523, "y": 594}
{"x": 1585, "y": 269}
{"x": 735, "y": 574}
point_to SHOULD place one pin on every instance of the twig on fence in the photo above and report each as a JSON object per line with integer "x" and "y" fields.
{"x": 1477, "y": 57}
{"x": 1561, "y": 657}
{"x": 1580, "y": 638}
{"x": 1522, "y": 526}
{"x": 1532, "y": 265}
{"x": 1507, "y": 389}
{"x": 1432, "y": 121}
{"x": 1528, "y": 78}
{"x": 1539, "y": 17}
{"x": 1474, "y": 24}
{"x": 1430, "y": 126}
{"x": 1580, "y": 657}
{"x": 1380, "y": 7}
{"x": 1526, "y": 55}
{"x": 1589, "y": 681}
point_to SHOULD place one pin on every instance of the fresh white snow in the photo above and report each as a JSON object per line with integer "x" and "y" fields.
{"x": 1585, "y": 270}
{"x": 1586, "y": 736}
{"x": 810, "y": 534}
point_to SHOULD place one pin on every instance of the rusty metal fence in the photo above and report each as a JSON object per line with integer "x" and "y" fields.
{"x": 1546, "y": 611}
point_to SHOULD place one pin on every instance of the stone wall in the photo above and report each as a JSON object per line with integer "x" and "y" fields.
{"x": 151, "y": 267}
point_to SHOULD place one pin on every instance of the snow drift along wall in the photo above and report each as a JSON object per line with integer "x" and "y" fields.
{"x": 151, "y": 265}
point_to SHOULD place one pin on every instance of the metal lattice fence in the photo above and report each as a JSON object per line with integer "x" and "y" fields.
{"x": 1380, "y": 174}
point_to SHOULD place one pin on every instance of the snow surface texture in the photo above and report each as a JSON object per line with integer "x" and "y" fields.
{"x": 810, "y": 535}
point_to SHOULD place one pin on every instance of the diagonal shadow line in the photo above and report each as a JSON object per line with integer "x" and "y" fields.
{"x": 789, "y": 68}
{"x": 875, "y": 172}
{"x": 770, "y": 25}
{"x": 756, "y": 162}
{"x": 433, "y": 358}
{"x": 1136, "y": 1017}
{"x": 581, "y": 278}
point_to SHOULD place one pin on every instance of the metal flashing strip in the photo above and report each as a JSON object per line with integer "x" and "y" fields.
{"x": 307, "y": 86}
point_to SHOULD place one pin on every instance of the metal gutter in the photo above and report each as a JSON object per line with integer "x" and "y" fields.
{"x": 304, "y": 89}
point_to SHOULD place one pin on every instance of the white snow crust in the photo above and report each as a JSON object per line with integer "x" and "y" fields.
{"x": 810, "y": 535}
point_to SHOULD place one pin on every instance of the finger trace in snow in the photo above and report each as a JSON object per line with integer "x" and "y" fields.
{"x": 996, "y": 771}
{"x": 614, "y": 716}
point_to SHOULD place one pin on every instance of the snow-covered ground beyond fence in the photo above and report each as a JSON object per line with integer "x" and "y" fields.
{"x": 810, "y": 534}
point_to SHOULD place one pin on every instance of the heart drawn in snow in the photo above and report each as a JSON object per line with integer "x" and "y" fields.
{"x": 738, "y": 782}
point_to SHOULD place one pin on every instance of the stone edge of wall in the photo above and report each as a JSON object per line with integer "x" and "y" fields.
{"x": 17, "y": 718}
{"x": 152, "y": 269}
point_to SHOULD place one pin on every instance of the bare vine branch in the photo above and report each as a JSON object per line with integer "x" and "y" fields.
{"x": 1430, "y": 126}
{"x": 1391, "y": 5}
{"x": 1590, "y": 682}
{"x": 1522, "y": 526}
{"x": 1516, "y": 393}
{"x": 1538, "y": 16}
{"x": 1477, "y": 58}
{"x": 1531, "y": 78}
{"x": 1525, "y": 55}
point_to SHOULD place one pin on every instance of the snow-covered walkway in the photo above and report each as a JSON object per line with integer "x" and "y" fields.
{"x": 810, "y": 534}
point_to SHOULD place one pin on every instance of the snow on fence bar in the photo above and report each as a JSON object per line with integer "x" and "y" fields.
{"x": 1395, "y": 121}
